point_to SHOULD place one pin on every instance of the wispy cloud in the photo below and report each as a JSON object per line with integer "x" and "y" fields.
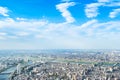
{"x": 112, "y": 3}
{"x": 108, "y": 1}
{"x": 4, "y": 11}
{"x": 103, "y": 0}
{"x": 20, "y": 19}
{"x": 91, "y": 10}
{"x": 114, "y": 13}
{"x": 66, "y": 0}
{"x": 88, "y": 24}
{"x": 62, "y": 7}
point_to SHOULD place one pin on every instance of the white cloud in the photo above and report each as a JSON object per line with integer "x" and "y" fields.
{"x": 91, "y": 10}
{"x": 4, "y": 11}
{"x": 62, "y": 7}
{"x": 114, "y": 13}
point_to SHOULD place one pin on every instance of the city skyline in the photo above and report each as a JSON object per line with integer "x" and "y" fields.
{"x": 60, "y": 24}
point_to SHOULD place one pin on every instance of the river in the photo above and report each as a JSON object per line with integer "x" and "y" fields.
{"x": 6, "y": 76}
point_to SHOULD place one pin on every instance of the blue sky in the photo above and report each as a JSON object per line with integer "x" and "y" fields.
{"x": 59, "y": 24}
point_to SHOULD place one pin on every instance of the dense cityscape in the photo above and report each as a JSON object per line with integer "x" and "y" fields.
{"x": 60, "y": 64}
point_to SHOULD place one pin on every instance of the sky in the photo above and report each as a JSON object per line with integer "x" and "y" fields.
{"x": 60, "y": 24}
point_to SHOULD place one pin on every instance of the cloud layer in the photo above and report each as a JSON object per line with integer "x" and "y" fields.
{"x": 61, "y": 34}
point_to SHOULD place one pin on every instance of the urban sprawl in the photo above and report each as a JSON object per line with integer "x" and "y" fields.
{"x": 61, "y": 64}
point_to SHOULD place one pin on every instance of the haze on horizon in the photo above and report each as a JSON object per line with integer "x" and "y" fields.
{"x": 59, "y": 24}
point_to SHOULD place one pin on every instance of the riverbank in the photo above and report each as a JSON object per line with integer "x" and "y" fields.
{"x": 6, "y": 76}
{"x": 4, "y": 69}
